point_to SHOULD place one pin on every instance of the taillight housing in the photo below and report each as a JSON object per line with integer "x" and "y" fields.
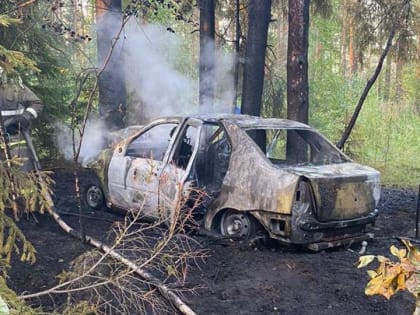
{"x": 303, "y": 198}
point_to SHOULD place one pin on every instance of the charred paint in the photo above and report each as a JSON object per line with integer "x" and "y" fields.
{"x": 328, "y": 200}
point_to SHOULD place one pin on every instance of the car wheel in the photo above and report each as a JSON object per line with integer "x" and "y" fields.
{"x": 237, "y": 224}
{"x": 93, "y": 197}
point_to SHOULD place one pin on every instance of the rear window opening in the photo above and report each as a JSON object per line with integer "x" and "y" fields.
{"x": 295, "y": 147}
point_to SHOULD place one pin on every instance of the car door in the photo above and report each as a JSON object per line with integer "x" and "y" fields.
{"x": 135, "y": 168}
{"x": 179, "y": 173}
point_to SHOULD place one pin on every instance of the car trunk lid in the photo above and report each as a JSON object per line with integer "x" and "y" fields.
{"x": 342, "y": 191}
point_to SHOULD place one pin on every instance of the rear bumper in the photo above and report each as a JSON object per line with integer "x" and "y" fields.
{"x": 308, "y": 231}
{"x": 313, "y": 225}
{"x": 340, "y": 242}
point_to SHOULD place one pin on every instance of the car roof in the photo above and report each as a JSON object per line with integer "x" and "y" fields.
{"x": 248, "y": 121}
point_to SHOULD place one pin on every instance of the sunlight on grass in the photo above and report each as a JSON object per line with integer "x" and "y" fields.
{"x": 388, "y": 140}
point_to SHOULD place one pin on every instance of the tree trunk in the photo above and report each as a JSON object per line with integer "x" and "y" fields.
{"x": 387, "y": 79}
{"x": 398, "y": 79}
{"x": 207, "y": 53}
{"x": 112, "y": 94}
{"x": 344, "y": 27}
{"x": 417, "y": 93}
{"x": 237, "y": 52}
{"x": 352, "y": 51}
{"x": 297, "y": 73}
{"x": 368, "y": 86}
{"x": 259, "y": 15}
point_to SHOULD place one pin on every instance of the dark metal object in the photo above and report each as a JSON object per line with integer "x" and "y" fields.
{"x": 30, "y": 145}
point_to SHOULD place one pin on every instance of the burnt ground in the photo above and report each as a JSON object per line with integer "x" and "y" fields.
{"x": 237, "y": 277}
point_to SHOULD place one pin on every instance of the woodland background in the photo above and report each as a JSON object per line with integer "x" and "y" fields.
{"x": 154, "y": 68}
{"x": 101, "y": 65}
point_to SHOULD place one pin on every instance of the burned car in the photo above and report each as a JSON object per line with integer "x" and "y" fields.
{"x": 274, "y": 175}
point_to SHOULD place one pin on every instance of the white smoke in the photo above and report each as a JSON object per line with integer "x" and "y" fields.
{"x": 93, "y": 141}
{"x": 63, "y": 140}
{"x": 156, "y": 87}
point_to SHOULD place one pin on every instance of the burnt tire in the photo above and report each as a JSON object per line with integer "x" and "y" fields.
{"x": 238, "y": 224}
{"x": 93, "y": 197}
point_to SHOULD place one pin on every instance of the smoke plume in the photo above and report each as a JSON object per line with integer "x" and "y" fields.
{"x": 154, "y": 86}
{"x": 93, "y": 141}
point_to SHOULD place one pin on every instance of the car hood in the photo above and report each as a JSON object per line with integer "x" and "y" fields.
{"x": 342, "y": 191}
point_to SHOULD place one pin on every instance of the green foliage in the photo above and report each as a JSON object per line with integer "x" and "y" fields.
{"x": 44, "y": 35}
{"x": 6, "y": 20}
{"x": 386, "y": 133}
{"x": 12, "y": 59}
{"x": 387, "y": 139}
{"x": 15, "y": 305}
{"x": 15, "y": 59}
{"x": 19, "y": 192}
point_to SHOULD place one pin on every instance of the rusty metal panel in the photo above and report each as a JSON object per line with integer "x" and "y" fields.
{"x": 343, "y": 191}
{"x": 252, "y": 182}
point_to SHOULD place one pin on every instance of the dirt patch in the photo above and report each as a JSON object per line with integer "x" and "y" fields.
{"x": 238, "y": 278}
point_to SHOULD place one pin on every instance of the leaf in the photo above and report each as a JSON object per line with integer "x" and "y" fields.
{"x": 372, "y": 274}
{"x": 390, "y": 291}
{"x": 408, "y": 267}
{"x": 375, "y": 286}
{"x": 414, "y": 256}
{"x": 407, "y": 244}
{"x": 6, "y": 20}
{"x": 365, "y": 260}
{"x": 171, "y": 270}
{"x": 400, "y": 253}
{"x": 401, "y": 282}
{"x": 394, "y": 250}
{"x": 412, "y": 284}
{"x": 382, "y": 259}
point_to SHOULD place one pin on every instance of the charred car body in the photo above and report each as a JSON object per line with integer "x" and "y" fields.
{"x": 312, "y": 195}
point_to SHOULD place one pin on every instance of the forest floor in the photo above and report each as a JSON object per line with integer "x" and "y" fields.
{"x": 237, "y": 277}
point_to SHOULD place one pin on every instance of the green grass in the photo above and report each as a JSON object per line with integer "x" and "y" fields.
{"x": 387, "y": 137}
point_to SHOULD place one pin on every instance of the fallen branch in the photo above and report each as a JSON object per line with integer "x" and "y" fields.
{"x": 163, "y": 289}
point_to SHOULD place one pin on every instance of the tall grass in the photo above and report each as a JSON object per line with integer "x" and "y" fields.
{"x": 389, "y": 140}
{"x": 386, "y": 135}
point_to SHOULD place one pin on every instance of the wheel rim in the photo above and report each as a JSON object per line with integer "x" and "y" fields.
{"x": 236, "y": 224}
{"x": 94, "y": 196}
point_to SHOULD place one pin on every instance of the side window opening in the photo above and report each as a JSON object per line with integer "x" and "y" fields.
{"x": 212, "y": 162}
{"x": 153, "y": 143}
{"x": 185, "y": 147}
